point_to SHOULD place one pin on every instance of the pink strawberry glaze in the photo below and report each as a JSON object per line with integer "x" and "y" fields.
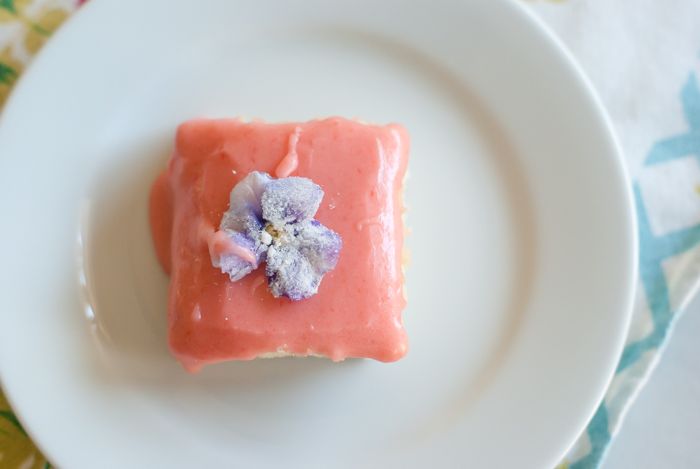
{"x": 357, "y": 312}
{"x": 220, "y": 244}
{"x": 290, "y": 162}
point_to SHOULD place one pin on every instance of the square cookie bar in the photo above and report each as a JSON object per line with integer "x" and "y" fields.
{"x": 228, "y": 310}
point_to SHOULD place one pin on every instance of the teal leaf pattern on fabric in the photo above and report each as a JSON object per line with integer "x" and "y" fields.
{"x": 8, "y": 5}
{"x": 7, "y": 74}
{"x": 654, "y": 251}
{"x": 599, "y": 436}
{"x": 10, "y": 417}
{"x": 686, "y": 144}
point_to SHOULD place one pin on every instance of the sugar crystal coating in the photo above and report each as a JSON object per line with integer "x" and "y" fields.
{"x": 245, "y": 211}
{"x": 273, "y": 220}
{"x": 320, "y": 245}
{"x": 290, "y": 200}
{"x": 231, "y": 264}
{"x": 295, "y": 267}
{"x": 290, "y": 274}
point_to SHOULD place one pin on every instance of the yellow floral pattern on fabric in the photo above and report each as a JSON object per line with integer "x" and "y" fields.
{"x": 24, "y": 27}
{"x": 16, "y": 449}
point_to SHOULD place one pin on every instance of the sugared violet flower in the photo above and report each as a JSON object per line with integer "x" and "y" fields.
{"x": 271, "y": 220}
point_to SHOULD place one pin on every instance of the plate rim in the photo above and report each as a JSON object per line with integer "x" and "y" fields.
{"x": 591, "y": 92}
{"x": 566, "y": 59}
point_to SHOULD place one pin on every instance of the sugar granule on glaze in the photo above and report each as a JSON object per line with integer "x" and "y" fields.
{"x": 271, "y": 220}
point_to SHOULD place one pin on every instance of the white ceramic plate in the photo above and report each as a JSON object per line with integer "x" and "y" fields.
{"x": 522, "y": 237}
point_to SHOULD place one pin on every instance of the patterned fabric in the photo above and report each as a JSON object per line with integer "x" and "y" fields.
{"x": 16, "y": 449}
{"x": 649, "y": 83}
{"x": 669, "y": 268}
{"x": 644, "y": 63}
{"x": 24, "y": 27}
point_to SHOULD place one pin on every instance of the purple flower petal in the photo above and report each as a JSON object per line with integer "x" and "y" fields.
{"x": 243, "y": 223}
{"x": 290, "y": 200}
{"x": 234, "y": 265}
{"x": 290, "y": 274}
{"x": 244, "y": 214}
{"x": 295, "y": 268}
{"x": 320, "y": 245}
{"x": 271, "y": 220}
